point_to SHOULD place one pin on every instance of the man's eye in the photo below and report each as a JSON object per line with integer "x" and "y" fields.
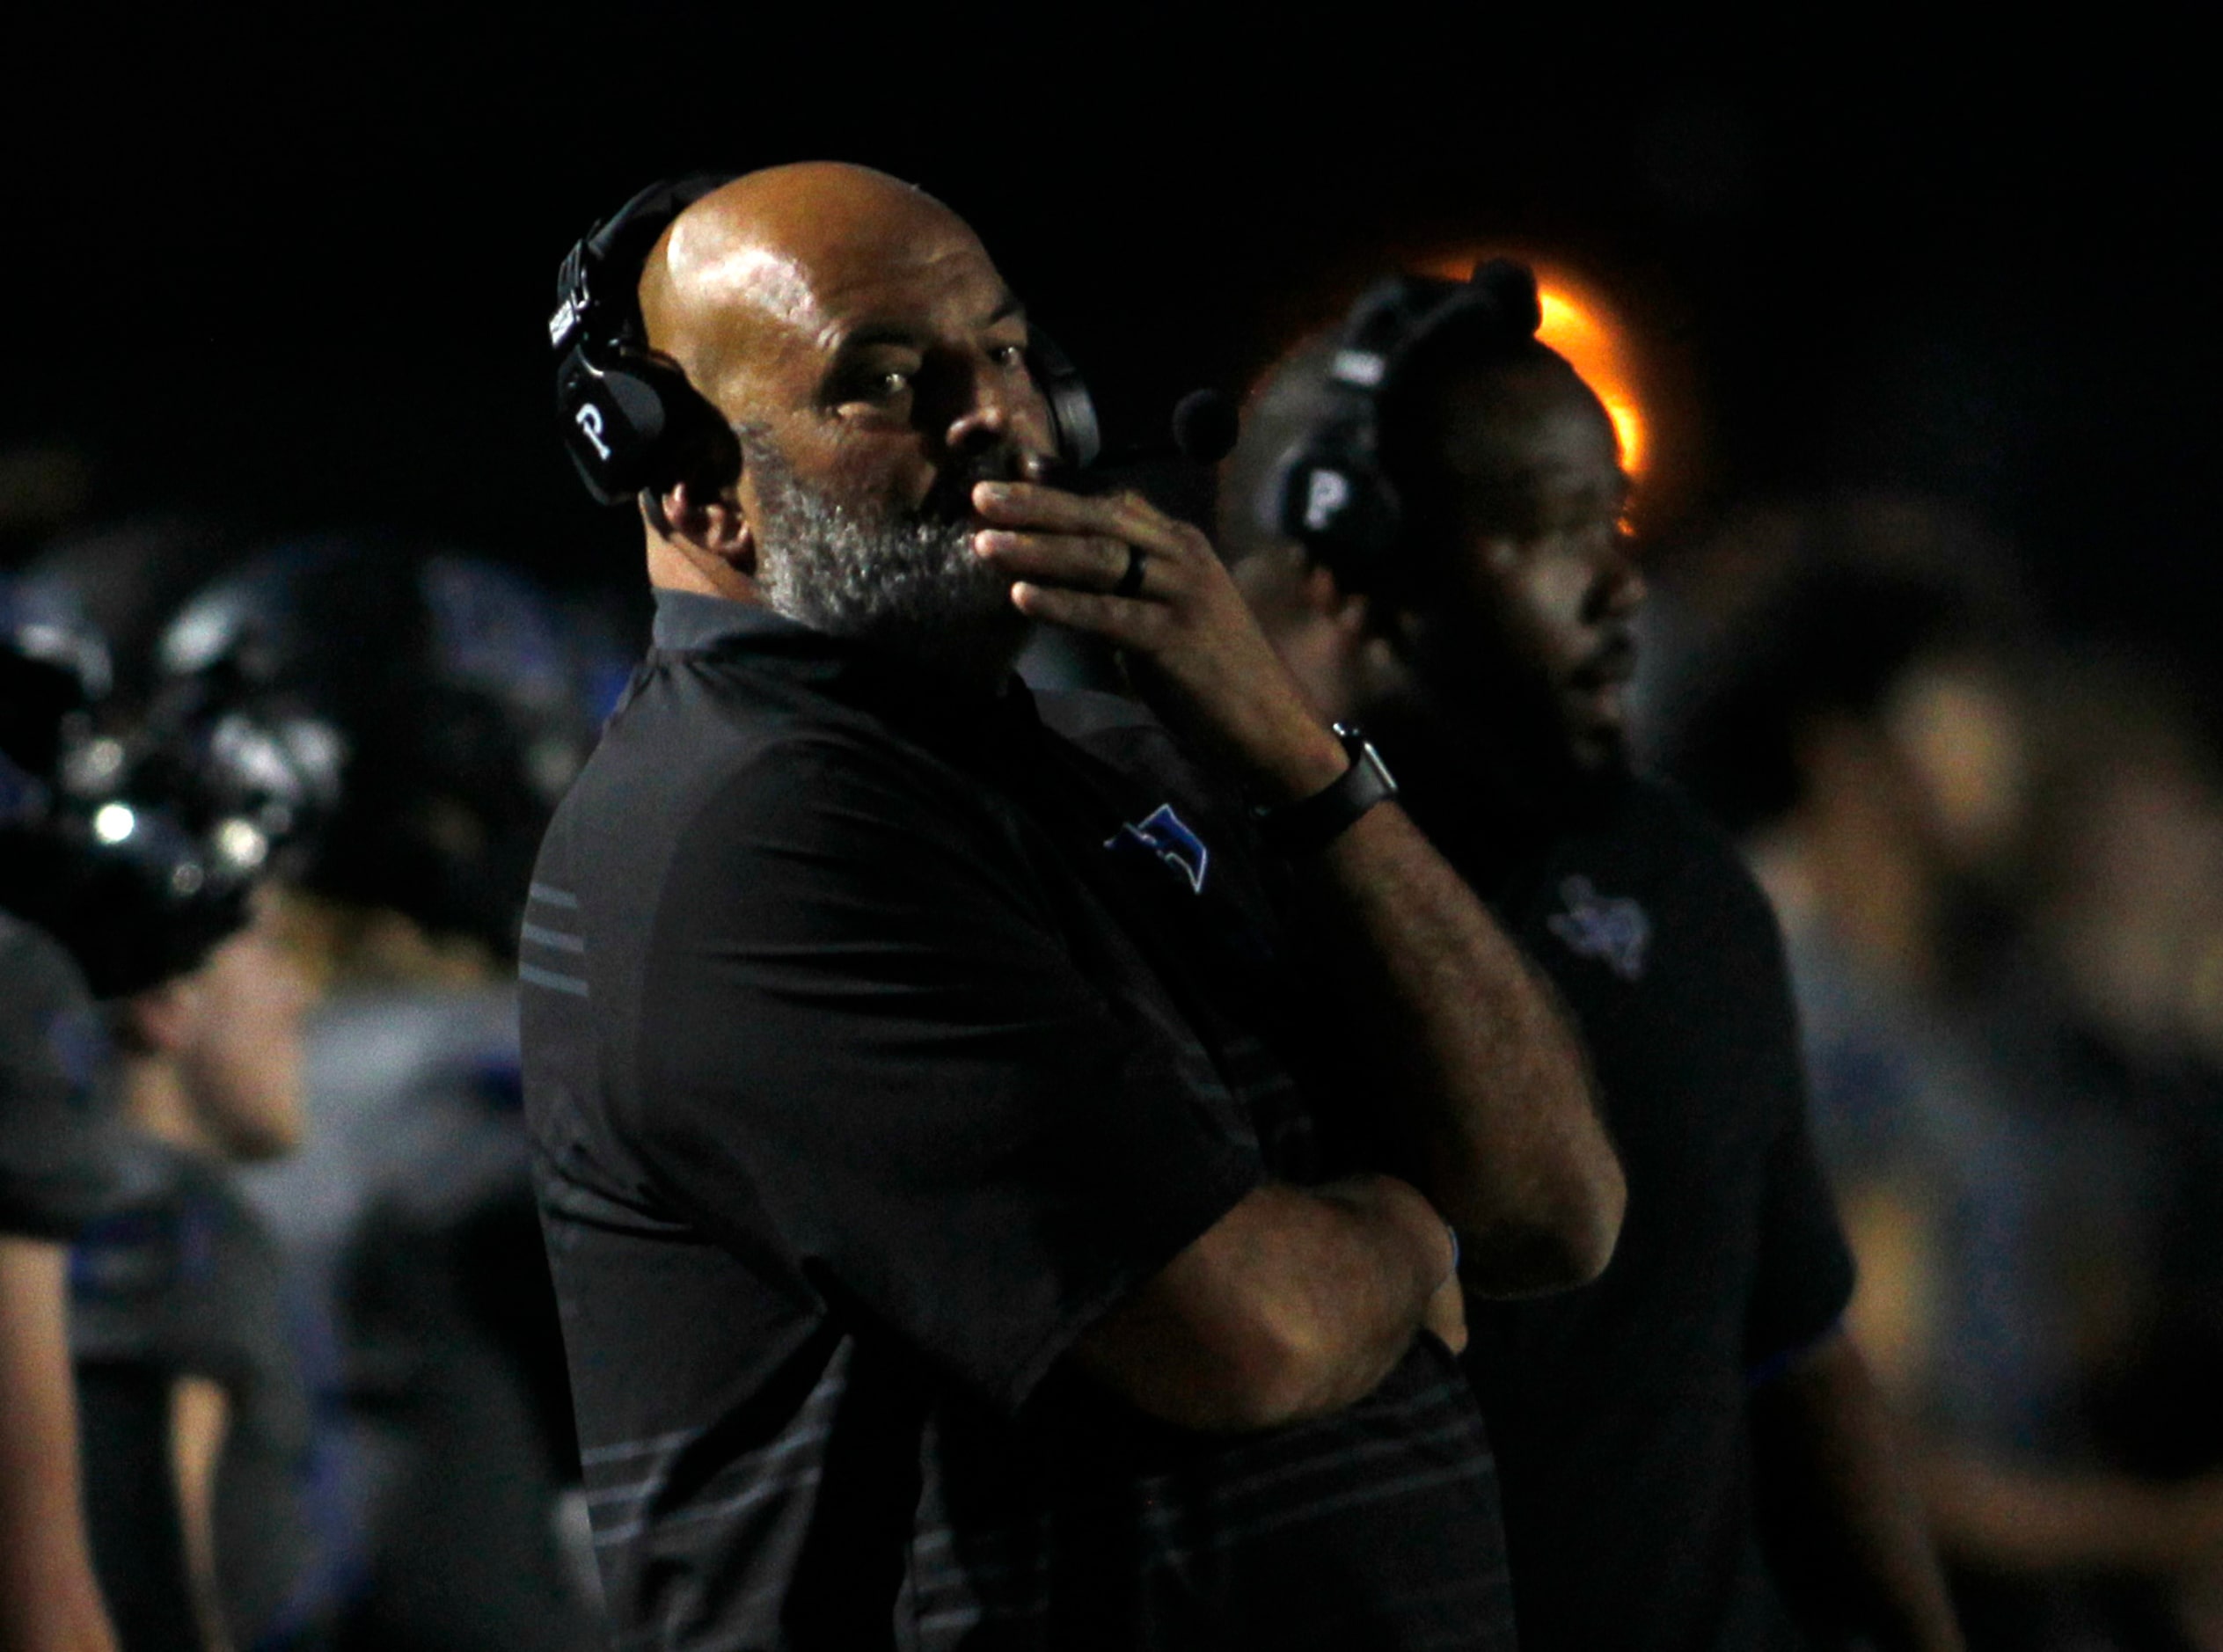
{"x": 888, "y": 385}
{"x": 1007, "y": 355}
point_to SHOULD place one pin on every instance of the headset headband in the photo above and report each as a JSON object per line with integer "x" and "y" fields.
{"x": 620, "y": 242}
{"x": 626, "y": 412}
{"x": 1330, "y": 493}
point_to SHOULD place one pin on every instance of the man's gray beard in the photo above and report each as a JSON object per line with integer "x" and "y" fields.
{"x": 900, "y": 581}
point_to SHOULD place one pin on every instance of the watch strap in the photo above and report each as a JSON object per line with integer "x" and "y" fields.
{"x": 1313, "y": 823}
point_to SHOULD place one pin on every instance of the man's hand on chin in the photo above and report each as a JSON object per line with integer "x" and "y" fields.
{"x": 1119, "y": 568}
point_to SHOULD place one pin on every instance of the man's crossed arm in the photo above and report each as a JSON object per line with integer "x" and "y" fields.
{"x": 1300, "y": 1300}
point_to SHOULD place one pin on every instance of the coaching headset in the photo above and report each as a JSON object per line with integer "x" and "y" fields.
{"x": 1331, "y": 495}
{"x": 628, "y": 414}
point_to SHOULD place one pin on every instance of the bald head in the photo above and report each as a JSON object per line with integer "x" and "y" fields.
{"x": 868, "y": 367}
{"x": 757, "y": 271}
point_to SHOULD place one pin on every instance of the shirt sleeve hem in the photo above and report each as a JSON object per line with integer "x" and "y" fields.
{"x": 1215, "y": 1188}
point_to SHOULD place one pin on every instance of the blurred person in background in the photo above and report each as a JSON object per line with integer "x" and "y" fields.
{"x": 129, "y": 578}
{"x": 452, "y": 689}
{"x": 1426, "y": 512}
{"x": 1870, "y": 730}
{"x": 58, "y": 1151}
{"x": 53, "y": 1169}
{"x": 136, "y": 849}
{"x": 2125, "y": 866}
{"x": 198, "y": 1448}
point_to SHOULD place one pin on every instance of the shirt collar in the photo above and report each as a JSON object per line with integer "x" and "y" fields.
{"x": 687, "y": 621}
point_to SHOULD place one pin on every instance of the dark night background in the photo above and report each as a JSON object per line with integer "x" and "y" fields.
{"x": 297, "y": 273}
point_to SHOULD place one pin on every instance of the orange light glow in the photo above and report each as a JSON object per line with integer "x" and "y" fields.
{"x": 1583, "y": 329}
{"x": 1591, "y": 348}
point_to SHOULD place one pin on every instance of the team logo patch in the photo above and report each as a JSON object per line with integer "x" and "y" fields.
{"x": 1168, "y": 836}
{"x": 1615, "y": 931}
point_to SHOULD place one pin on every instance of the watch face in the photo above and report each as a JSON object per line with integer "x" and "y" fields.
{"x": 1364, "y": 756}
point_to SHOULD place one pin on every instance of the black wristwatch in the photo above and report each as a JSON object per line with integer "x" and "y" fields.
{"x": 1315, "y": 821}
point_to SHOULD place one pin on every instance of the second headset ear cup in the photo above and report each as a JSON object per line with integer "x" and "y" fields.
{"x": 1335, "y": 501}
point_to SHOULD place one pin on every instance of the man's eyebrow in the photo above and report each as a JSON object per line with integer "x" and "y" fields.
{"x": 911, "y": 336}
{"x": 872, "y": 332}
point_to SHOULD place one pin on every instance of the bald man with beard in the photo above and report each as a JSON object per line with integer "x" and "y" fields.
{"x": 990, "y": 1205}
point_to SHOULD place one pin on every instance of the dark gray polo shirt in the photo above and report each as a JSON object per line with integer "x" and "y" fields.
{"x": 61, "y": 1131}
{"x": 877, "y": 1041}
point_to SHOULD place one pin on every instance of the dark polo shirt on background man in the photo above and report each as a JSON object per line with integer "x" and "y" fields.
{"x": 1622, "y": 1409}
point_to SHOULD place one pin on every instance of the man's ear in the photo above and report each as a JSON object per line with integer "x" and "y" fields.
{"x": 705, "y": 518}
{"x": 1324, "y": 596}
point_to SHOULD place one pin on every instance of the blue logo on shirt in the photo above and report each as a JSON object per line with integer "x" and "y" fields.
{"x": 1615, "y": 932}
{"x": 1167, "y": 836}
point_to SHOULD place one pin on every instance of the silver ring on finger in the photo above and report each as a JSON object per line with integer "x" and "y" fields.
{"x": 1131, "y": 583}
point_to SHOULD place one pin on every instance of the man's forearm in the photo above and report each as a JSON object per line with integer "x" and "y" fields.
{"x": 1488, "y": 1080}
{"x": 1851, "y": 1538}
{"x": 48, "y": 1600}
{"x": 1499, "y": 1124}
{"x": 1296, "y": 1304}
{"x": 2013, "y": 1517}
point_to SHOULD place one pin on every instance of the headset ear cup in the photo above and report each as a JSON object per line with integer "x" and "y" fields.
{"x": 609, "y": 421}
{"x": 626, "y": 415}
{"x": 624, "y": 411}
{"x": 1072, "y": 410}
{"x": 1339, "y": 506}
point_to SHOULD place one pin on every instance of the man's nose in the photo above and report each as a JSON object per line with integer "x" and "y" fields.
{"x": 987, "y": 417}
{"x": 1617, "y": 588}
{"x": 982, "y": 424}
